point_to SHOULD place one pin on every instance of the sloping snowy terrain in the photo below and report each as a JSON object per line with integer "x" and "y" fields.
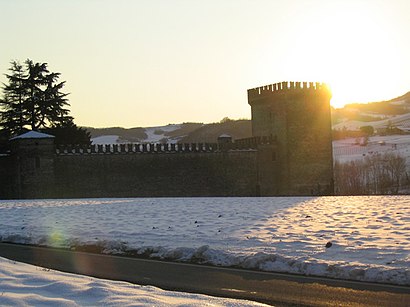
{"x": 399, "y": 121}
{"x": 348, "y": 149}
{"x": 154, "y": 135}
{"x": 105, "y": 139}
{"x": 359, "y": 238}
{"x": 27, "y": 285}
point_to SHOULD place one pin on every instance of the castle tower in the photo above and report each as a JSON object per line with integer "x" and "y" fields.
{"x": 297, "y": 116}
{"x": 32, "y": 155}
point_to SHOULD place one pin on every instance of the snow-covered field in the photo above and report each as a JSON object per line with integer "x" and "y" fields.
{"x": 348, "y": 149}
{"x": 27, "y": 285}
{"x": 358, "y": 238}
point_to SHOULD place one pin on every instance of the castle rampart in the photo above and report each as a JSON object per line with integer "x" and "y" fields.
{"x": 230, "y": 173}
{"x": 133, "y": 170}
{"x": 135, "y": 148}
{"x": 155, "y": 148}
{"x": 289, "y": 153}
{"x": 284, "y": 87}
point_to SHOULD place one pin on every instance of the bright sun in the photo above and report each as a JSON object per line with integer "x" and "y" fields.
{"x": 351, "y": 48}
{"x": 364, "y": 66}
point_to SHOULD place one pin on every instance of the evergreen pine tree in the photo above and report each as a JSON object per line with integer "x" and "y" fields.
{"x": 12, "y": 118}
{"x": 33, "y": 99}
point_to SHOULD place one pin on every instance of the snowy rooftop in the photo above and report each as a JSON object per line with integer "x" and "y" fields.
{"x": 33, "y": 135}
{"x": 224, "y": 136}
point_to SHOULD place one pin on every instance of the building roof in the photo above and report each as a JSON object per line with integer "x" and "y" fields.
{"x": 223, "y": 136}
{"x": 33, "y": 135}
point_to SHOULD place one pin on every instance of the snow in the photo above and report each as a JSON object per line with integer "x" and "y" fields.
{"x": 33, "y": 135}
{"x": 154, "y": 135}
{"x": 105, "y": 139}
{"x": 347, "y": 149}
{"x": 370, "y": 235}
{"x": 27, "y": 285}
{"x": 400, "y": 121}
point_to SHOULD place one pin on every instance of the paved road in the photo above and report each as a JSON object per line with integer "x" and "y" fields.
{"x": 271, "y": 288}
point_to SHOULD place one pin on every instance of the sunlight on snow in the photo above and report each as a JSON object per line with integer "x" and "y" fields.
{"x": 369, "y": 236}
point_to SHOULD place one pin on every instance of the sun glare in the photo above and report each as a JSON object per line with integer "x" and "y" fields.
{"x": 364, "y": 64}
{"x": 351, "y": 49}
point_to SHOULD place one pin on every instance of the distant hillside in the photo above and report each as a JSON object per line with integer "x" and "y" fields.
{"x": 396, "y": 106}
{"x": 162, "y": 134}
{"x": 379, "y": 115}
{"x": 132, "y": 134}
{"x": 183, "y": 133}
{"x": 209, "y": 133}
{"x": 373, "y": 111}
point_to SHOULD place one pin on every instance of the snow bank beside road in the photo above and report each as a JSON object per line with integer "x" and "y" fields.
{"x": 28, "y": 285}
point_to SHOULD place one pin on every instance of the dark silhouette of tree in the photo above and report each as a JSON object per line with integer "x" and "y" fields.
{"x": 45, "y": 104}
{"x": 33, "y": 100}
{"x": 69, "y": 133}
{"x": 376, "y": 174}
{"x": 12, "y": 117}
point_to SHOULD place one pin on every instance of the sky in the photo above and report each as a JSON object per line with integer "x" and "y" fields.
{"x": 138, "y": 63}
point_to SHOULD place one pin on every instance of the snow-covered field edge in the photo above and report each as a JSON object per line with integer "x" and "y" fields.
{"x": 260, "y": 261}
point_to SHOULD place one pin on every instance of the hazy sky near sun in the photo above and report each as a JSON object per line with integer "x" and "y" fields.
{"x": 137, "y": 63}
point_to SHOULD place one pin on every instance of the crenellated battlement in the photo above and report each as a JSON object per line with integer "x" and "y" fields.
{"x": 150, "y": 148}
{"x": 285, "y": 87}
{"x": 155, "y": 148}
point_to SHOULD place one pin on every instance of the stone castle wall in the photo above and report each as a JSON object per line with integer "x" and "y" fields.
{"x": 6, "y": 178}
{"x": 36, "y": 169}
{"x": 231, "y": 173}
{"x": 290, "y": 153}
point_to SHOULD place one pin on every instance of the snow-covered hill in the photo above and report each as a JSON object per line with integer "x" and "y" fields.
{"x": 173, "y": 133}
{"x": 150, "y": 135}
{"x": 401, "y": 122}
{"x": 379, "y": 115}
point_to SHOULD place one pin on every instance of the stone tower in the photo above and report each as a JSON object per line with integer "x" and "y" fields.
{"x": 32, "y": 156}
{"x": 297, "y": 117}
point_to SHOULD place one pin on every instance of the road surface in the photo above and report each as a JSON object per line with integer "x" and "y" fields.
{"x": 271, "y": 288}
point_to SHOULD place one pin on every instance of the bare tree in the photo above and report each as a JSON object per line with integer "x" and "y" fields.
{"x": 376, "y": 174}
